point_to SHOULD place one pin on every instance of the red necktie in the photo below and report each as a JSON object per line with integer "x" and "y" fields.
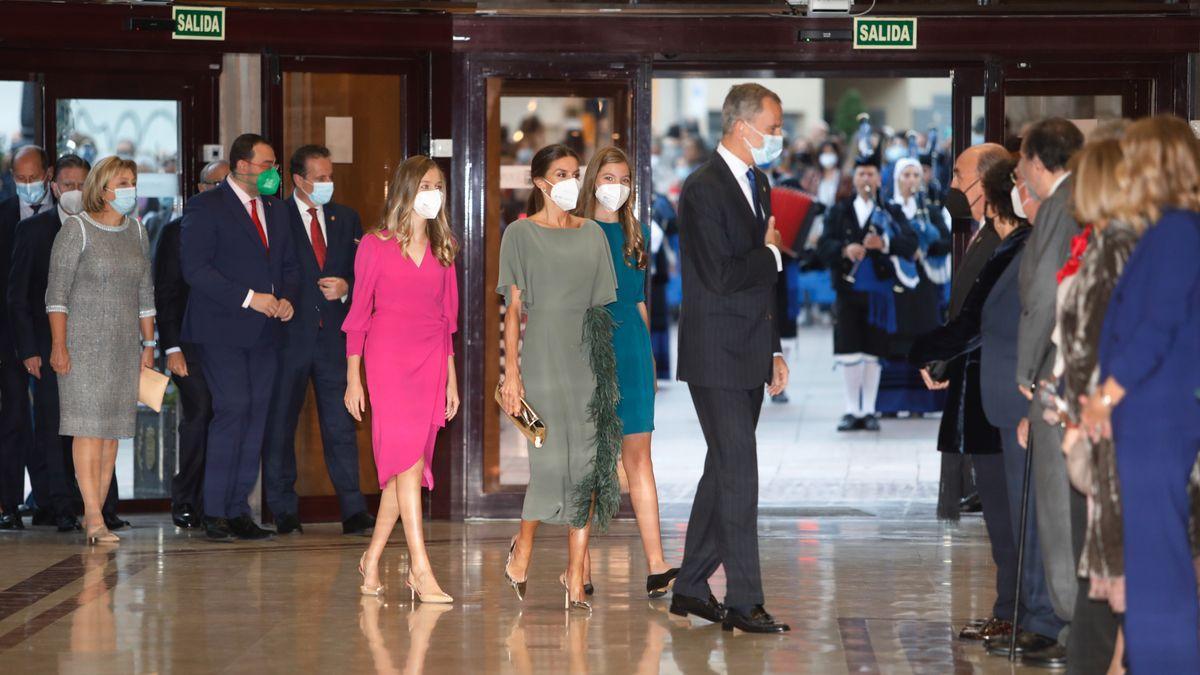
{"x": 318, "y": 239}
{"x": 262, "y": 234}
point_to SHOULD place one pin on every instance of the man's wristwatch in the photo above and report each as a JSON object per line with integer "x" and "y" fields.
{"x": 149, "y": 343}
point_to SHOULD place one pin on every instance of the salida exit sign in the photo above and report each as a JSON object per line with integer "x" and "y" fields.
{"x": 885, "y": 33}
{"x": 198, "y": 23}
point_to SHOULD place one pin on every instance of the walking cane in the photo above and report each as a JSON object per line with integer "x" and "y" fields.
{"x": 1012, "y": 641}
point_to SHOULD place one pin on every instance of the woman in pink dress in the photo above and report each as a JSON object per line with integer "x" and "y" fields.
{"x": 402, "y": 316}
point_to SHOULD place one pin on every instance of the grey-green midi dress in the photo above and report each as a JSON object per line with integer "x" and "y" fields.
{"x": 566, "y": 277}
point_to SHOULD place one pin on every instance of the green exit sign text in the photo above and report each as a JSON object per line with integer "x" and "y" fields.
{"x": 198, "y": 23}
{"x": 885, "y": 33}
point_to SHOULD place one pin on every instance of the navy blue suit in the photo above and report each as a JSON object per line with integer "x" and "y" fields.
{"x": 314, "y": 349}
{"x": 1150, "y": 345}
{"x": 16, "y": 438}
{"x": 223, "y": 258}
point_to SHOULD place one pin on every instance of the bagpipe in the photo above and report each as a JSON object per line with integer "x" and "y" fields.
{"x": 883, "y": 276}
{"x": 937, "y": 267}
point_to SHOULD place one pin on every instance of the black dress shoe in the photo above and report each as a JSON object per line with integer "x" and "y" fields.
{"x": 42, "y": 518}
{"x": 869, "y": 423}
{"x": 287, "y": 524}
{"x": 971, "y": 504}
{"x": 781, "y": 397}
{"x": 758, "y": 621}
{"x": 67, "y": 522}
{"x": 217, "y": 529}
{"x": 849, "y": 423}
{"x": 361, "y": 524}
{"x": 185, "y": 516}
{"x": 11, "y": 521}
{"x": 1054, "y": 656}
{"x": 709, "y": 610}
{"x": 115, "y": 523}
{"x": 244, "y": 527}
{"x": 657, "y": 585}
{"x": 1027, "y": 642}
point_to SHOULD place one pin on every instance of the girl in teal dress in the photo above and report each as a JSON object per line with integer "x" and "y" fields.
{"x": 604, "y": 198}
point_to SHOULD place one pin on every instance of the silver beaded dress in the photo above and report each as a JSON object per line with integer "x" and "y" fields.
{"x": 100, "y": 278}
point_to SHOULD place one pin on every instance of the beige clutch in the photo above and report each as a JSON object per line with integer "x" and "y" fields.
{"x": 528, "y": 423}
{"x": 151, "y": 389}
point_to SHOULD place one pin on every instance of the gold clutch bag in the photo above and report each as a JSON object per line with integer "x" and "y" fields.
{"x": 527, "y": 422}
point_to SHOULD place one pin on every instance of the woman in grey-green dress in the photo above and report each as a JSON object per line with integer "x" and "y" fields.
{"x": 99, "y": 294}
{"x": 556, "y": 268}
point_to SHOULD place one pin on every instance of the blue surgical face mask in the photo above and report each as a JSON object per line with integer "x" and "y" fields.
{"x": 771, "y": 148}
{"x": 894, "y": 154}
{"x": 321, "y": 193}
{"x": 125, "y": 201}
{"x": 32, "y": 193}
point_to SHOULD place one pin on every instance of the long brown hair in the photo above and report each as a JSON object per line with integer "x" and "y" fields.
{"x": 538, "y": 168}
{"x": 1097, "y": 195}
{"x": 1160, "y": 170}
{"x": 396, "y": 221}
{"x": 635, "y": 244}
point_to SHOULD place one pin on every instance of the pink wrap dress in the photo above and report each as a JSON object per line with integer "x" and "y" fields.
{"x": 401, "y": 320}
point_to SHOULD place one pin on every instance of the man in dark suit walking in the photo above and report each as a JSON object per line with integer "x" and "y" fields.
{"x": 170, "y": 301}
{"x": 31, "y": 172}
{"x": 238, "y": 257}
{"x": 728, "y": 350}
{"x": 314, "y": 348}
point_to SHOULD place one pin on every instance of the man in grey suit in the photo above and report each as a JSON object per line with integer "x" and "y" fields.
{"x": 1046, "y": 151}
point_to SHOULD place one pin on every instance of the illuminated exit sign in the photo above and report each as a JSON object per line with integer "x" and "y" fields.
{"x": 885, "y": 33}
{"x": 198, "y": 23}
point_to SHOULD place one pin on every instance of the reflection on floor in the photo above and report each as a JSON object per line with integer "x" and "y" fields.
{"x": 874, "y": 592}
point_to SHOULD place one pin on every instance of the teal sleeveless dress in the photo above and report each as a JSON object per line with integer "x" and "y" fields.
{"x": 631, "y": 338}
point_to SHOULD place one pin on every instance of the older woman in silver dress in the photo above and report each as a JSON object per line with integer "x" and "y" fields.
{"x": 100, "y": 287}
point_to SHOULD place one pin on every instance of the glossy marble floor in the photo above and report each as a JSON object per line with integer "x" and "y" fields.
{"x": 873, "y": 590}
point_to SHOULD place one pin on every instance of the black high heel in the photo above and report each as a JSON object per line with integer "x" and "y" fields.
{"x": 657, "y": 585}
{"x": 517, "y": 586}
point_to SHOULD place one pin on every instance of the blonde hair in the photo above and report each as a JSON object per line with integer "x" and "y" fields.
{"x": 635, "y": 243}
{"x": 1160, "y": 170}
{"x": 397, "y": 214}
{"x": 1097, "y": 195}
{"x": 98, "y": 177}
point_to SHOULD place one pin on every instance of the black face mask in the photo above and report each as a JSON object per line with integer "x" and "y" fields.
{"x": 958, "y": 205}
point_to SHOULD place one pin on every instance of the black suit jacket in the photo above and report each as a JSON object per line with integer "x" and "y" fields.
{"x": 10, "y": 215}
{"x": 28, "y": 323}
{"x": 727, "y": 328}
{"x": 842, "y": 229}
{"x": 170, "y": 289}
{"x": 343, "y": 230}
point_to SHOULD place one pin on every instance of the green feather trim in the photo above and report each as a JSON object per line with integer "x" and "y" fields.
{"x": 599, "y": 493}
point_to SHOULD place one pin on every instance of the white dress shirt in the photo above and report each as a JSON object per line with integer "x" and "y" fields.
{"x": 245, "y": 198}
{"x": 1058, "y": 182}
{"x": 739, "y": 169}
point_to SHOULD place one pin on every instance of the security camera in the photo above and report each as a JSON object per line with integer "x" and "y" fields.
{"x": 822, "y": 7}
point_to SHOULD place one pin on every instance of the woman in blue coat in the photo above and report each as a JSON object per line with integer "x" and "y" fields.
{"x": 1147, "y": 396}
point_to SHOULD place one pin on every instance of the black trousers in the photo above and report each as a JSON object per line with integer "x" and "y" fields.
{"x": 195, "y": 413}
{"x": 51, "y": 468}
{"x": 16, "y": 442}
{"x": 991, "y": 483}
{"x": 1093, "y": 635}
{"x": 723, "y": 528}
{"x": 325, "y": 367}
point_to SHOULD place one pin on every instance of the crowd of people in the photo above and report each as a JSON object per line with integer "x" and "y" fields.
{"x": 1071, "y": 358}
{"x": 1065, "y": 346}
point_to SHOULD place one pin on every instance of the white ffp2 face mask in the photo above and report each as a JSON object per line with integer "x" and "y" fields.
{"x": 613, "y": 195}
{"x": 1018, "y": 207}
{"x": 71, "y": 202}
{"x": 428, "y": 203}
{"x": 565, "y": 193}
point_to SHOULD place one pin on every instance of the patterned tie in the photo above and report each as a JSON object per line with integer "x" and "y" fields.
{"x": 262, "y": 233}
{"x": 318, "y": 239}
{"x": 758, "y": 212}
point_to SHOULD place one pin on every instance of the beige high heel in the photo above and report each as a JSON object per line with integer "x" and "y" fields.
{"x": 364, "y": 588}
{"x": 568, "y": 603}
{"x": 102, "y": 535}
{"x": 427, "y": 598}
{"x": 517, "y": 586}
